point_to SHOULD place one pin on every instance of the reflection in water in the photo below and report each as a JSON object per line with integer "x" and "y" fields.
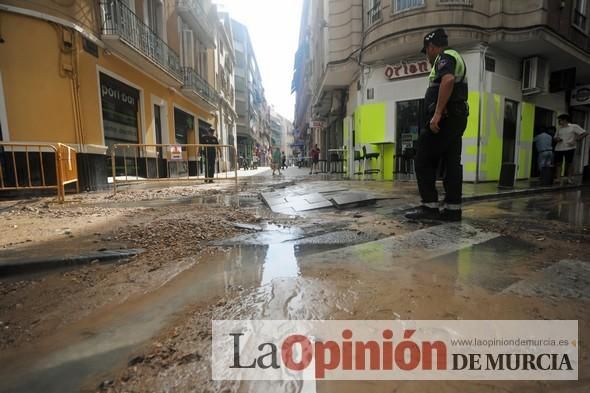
{"x": 280, "y": 262}
{"x": 572, "y": 210}
{"x": 489, "y": 265}
{"x": 570, "y": 207}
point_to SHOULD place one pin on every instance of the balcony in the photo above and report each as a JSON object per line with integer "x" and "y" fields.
{"x": 124, "y": 33}
{"x": 201, "y": 92}
{"x": 193, "y": 12}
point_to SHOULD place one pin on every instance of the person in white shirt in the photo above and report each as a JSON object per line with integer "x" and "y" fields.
{"x": 567, "y": 136}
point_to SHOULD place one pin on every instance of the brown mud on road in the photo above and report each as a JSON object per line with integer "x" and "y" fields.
{"x": 153, "y": 313}
{"x": 36, "y": 305}
{"x": 475, "y": 271}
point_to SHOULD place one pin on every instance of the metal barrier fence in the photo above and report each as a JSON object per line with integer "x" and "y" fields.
{"x": 132, "y": 163}
{"x": 38, "y": 166}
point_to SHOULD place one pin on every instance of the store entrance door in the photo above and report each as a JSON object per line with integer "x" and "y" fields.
{"x": 543, "y": 121}
{"x": 508, "y": 169}
{"x": 411, "y": 122}
{"x": 161, "y": 163}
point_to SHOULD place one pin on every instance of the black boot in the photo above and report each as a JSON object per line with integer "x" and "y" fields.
{"x": 424, "y": 213}
{"x": 450, "y": 215}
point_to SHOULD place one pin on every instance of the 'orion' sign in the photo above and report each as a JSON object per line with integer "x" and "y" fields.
{"x": 404, "y": 70}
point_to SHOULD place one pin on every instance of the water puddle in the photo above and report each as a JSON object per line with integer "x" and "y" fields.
{"x": 493, "y": 265}
{"x": 570, "y": 207}
{"x": 98, "y": 343}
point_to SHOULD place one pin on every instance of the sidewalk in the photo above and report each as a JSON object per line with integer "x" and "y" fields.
{"x": 305, "y": 187}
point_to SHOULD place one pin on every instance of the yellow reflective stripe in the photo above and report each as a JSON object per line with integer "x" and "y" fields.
{"x": 459, "y": 65}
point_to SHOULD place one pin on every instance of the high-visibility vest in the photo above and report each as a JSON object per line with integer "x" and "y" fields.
{"x": 460, "y": 68}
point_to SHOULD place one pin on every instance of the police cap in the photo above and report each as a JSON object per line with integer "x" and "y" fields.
{"x": 437, "y": 37}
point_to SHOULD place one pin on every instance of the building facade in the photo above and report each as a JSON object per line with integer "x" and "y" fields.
{"x": 96, "y": 73}
{"x": 224, "y": 65}
{"x": 527, "y": 62}
{"x": 251, "y": 107}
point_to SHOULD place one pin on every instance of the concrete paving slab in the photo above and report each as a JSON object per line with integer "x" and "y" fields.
{"x": 386, "y": 254}
{"x": 565, "y": 279}
{"x": 314, "y": 198}
{"x": 312, "y": 206}
{"x": 352, "y": 198}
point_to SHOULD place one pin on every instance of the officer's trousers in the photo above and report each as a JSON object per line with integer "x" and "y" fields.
{"x": 443, "y": 148}
{"x": 210, "y": 164}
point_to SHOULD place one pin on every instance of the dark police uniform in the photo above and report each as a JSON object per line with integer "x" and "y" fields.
{"x": 210, "y": 156}
{"x": 443, "y": 147}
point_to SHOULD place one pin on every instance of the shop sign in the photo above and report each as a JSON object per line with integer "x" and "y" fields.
{"x": 404, "y": 70}
{"x": 119, "y": 111}
{"x": 317, "y": 124}
{"x": 118, "y": 93}
{"x": 581, "y": 95}
{"x": 176, "y": 152}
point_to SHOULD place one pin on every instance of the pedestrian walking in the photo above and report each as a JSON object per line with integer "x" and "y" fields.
{"x": 210, "y": 155}
{"x": 315, "y": 159}
{"x": 567, "y": 137}
{"x": 283, "y": 160}
{"x": 276, "y": 161}
{"x": 447, "y": 111}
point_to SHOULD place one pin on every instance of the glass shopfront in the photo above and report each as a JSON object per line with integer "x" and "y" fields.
{"x": 184, "y": 126}
{"x": 411, "y": 122}
{"x": 120, "y": 107}
{"x": 120, "y": 118}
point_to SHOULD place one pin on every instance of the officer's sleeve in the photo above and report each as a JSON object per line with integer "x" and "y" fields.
{"x": 445, "y": 66}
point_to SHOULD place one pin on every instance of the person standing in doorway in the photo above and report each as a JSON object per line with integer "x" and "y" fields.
{"x": 447, "y": 111}
{"x": 544, "y": 144}
{"x": 567, "y": 137}
{"x": 210, "y": 155}
{"x": 315, "y": 159}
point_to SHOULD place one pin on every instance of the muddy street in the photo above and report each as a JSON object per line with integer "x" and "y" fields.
{"x": 143, "y": 323}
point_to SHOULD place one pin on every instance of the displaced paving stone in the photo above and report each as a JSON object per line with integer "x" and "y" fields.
{"x": 349, "y": 199}
{"x": 250, "y": 227}
{"x": 565, "y": 279}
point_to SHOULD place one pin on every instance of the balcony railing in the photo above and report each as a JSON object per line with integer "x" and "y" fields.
{"x": 119, "y": 20}
{"x": 194, "y": 81}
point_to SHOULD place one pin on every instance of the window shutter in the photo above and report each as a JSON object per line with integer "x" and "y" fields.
{"x": 188, "y": 49}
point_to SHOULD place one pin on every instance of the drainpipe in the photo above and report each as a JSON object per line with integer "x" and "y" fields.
{"x": 482, "y": 73}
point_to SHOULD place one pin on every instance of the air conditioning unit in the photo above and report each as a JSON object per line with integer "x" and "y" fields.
{"x": 535, "y": 75}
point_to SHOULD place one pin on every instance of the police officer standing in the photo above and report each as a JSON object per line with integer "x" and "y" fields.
{"x": 447, "y": 112}
{"x": 210, "y": 155}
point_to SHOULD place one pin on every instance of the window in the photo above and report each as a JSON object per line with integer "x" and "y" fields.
{"x": 490, "y": 64}
{"x": 374, "y": 13}
{"x": 155, "y": 16}
{"x": 370, "y": 94}
{"x": 580, "y": 10}
{"x": 404, "y": 5}
{"x": 188, "y": 48}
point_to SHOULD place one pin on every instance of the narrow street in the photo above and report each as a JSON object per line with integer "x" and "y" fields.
{"x": 143, "y": 324}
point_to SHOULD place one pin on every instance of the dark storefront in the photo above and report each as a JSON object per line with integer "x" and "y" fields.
{"x": 411, "y": 121}
{"x": 120, "y": 116}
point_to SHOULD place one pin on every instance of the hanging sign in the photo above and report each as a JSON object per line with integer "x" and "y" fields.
{"x": 581, "y": 95}
{"x": 176, "y": 152}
